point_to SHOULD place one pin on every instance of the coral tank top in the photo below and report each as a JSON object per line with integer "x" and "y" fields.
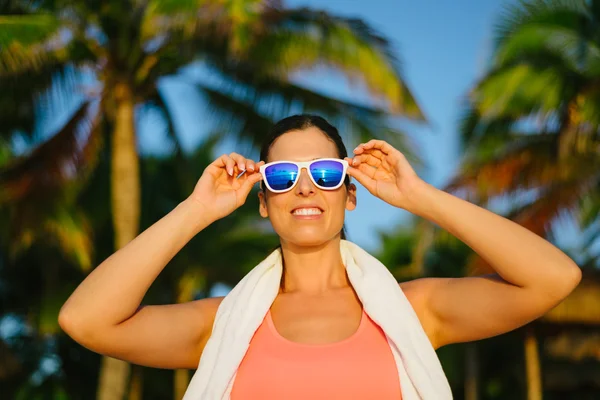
{"x": 359, "y": 367}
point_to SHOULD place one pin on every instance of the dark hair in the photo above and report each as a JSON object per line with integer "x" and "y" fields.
{"x": 300, "y": 122}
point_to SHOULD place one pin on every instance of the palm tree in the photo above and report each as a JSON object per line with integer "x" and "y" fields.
{"x": 222, "y": 253}
{"x": 254, "y": 47}
{"x": 35, "y": 279}
{"x": 531, "y": 127}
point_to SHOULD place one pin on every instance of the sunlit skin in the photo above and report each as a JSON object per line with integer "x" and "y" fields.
{"x": 310, "y": 246}
{"x": 316, "y": 303}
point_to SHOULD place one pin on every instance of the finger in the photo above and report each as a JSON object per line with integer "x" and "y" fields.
{"x": 376, "y": 153}
{"x": 229, "y": 165}
{"x": 379, "y": 149}
{"x": 364, "y": 179}
{"x": 220, "y": 161}
{"x": 251, "y": 168}
{"x": 239, "y": 160}
{"x": 367, "y": 169}
{"x": 224, "y": 162}
{"x": 387, "y": 160}
{"x": 366, "y": 158}
{"x": 361, "y": 149}
{"x": 363, "y": 167}
{"x": 385, "y": 147}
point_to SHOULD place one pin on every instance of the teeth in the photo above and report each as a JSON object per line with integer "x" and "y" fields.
{"x": 307, "y": 211}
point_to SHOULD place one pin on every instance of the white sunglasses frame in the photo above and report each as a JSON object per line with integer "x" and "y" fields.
{"x": 304, "y": 165}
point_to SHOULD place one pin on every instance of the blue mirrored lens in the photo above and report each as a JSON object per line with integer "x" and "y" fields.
{"x": 281, "y": 176}
{"x": 327, "y": 173}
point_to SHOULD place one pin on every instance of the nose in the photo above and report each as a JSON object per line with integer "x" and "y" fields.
{"x": 305, "y": 186}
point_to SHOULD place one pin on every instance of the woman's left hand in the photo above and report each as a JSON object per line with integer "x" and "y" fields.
{"x": 385, "y": 172}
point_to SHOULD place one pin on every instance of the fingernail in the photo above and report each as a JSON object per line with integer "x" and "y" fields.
{"x": 242, "y": 166}
{"x": 230, "y": 171}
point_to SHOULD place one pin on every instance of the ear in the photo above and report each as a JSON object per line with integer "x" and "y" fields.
{"x": 351, "y": 198}
{"x": 262, "y": 208}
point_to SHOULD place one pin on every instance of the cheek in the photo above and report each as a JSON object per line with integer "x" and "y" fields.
{"x": 337, "y": 203}
{"x": 276, "y": 203}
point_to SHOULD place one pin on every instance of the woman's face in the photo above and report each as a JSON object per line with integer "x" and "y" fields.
{"x": 281, "y": 208}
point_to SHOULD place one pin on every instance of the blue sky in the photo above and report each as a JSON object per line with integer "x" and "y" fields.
{"x": 444, "y": 47}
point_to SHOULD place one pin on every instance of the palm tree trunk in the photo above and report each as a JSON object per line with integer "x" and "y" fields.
{"x": 186, "y": 286}
{"x": 471, "y": 372}
{"x": 125, "y": 202}
{"x": 181, "y": 380}
{"x": 136, "y": 383}
{"x": 532, "y": 365}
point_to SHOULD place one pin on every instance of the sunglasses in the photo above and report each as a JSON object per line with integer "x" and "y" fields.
{"x": 325, "y": 173}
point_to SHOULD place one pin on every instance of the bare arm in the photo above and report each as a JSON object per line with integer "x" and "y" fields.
{"x": 104, "y": 313}
{"x": 532, "y": 276}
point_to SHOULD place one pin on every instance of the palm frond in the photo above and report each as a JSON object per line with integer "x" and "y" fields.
{"x": 567, "y": 13}
{"x": 586, "y": 110}
{"x": 157, "y": 101}
{"x": 550, "y": 203}
{"x": 54, "y": 222}
{"x": 62, "y": 158}
{"x": 520, "y": 90}
{"x": 468, "y": 124}
{"x": 168, "y": 16}
{"x": 591, "y": 237}
{"x": 174, "y": 7}
{"x": 482, "y": 137}
{"x": 237, "y": 118}
{"x": 531, "y": 123}
{"x": 590, "y": 208}
{"x": 529, "y": 161}
{"x": 279, "y": 42}
{"x": 237, "y": 22}
{"x": 557, "y": 43}
{"x": 30, "y": 42}
{"x": 251, "y": 110}
{"x": 167, "y": 60}
{"x": 300, "y": 39}
{"x": 26, "y": 30}
{"x": 18, "y": 99}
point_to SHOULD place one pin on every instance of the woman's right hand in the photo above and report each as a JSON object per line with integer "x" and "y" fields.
{"x": 218, "y": 190}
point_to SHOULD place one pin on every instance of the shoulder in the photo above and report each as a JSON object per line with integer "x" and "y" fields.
{"x": 206, "y": 310}
{"x": 207, "y": 306}
{"x": 418, "y": 291}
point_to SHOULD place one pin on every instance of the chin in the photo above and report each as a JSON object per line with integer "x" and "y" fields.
{"x": 309, "y": 237}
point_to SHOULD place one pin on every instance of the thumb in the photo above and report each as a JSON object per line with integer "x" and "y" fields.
{"x": 363, "y": 178}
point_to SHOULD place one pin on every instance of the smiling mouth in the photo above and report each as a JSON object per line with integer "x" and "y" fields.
{"x": 307, "y": 211}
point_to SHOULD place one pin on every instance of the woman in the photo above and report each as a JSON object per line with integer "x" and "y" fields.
{"x": 317, "y": 308}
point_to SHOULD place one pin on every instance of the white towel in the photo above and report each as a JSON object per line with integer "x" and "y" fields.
{"x": 244, "y": 308}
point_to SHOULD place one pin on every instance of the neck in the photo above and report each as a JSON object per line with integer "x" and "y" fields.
{"x": 313, "y": 269}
